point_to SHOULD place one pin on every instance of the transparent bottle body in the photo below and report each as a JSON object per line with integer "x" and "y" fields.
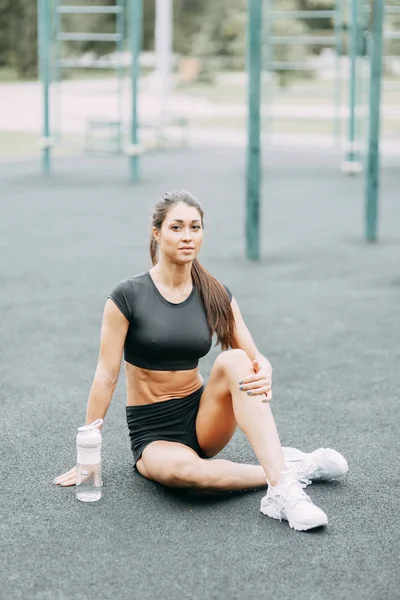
{"x": 88, "y": 482}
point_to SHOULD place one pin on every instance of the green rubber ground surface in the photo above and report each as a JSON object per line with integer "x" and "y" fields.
{"x": 321, "y": 304}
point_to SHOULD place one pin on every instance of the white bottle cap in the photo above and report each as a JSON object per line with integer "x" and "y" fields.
{"x": 88, "y": 443}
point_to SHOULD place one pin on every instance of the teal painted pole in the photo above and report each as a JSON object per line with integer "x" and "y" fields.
{"x": 119, "y": 27}
{"x": 267, "y": 64}
{"x": 338, "y": 27}
{"x": 353, "y": 164}
{"x": 353, "y": 75}
{"x": 135, "y": 44}
{"x": 253, "y": 144}
{"x": 372, "y": 179}
{"x": 44, "y": 76}
{"x": 351, "y": 154}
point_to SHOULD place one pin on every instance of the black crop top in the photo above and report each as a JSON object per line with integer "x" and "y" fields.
{"x": 162, "y": 336}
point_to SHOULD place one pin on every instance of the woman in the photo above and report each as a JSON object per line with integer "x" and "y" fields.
{"x": 163, "y": 320}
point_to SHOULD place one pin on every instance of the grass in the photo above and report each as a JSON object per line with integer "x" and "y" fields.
{"x": 299, "y": 92}
{"x": 20, "y": 145}
{"x": 17, "y": 145}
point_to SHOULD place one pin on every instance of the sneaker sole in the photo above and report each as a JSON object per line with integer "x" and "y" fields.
{"x": 296, "y": 526}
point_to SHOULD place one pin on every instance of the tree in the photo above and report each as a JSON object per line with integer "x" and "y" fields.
{"x": 5, "y": 38}
{"x": 222, "y": 33}
{"x": 21, "y": 18}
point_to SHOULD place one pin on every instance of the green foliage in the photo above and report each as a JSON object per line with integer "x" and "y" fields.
{"x": 18, "y": 36}
{"x": 222, "y": 33}
{"x": 5, "y": 38}
{"x": 212, "y": 30}
{"x": 392, "y": 24}
{"x": 188, "y": 18}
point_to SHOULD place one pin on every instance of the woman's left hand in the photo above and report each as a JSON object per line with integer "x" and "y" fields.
{"x": 261, "y": 381}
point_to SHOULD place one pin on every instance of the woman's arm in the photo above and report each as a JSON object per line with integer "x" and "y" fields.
{"x": 261, "y": 382}
{"x": 113, "y": 333}
{"x": 244, "y": 340}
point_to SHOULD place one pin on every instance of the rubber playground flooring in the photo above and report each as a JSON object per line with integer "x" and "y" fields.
{"x": 321, "y": 304}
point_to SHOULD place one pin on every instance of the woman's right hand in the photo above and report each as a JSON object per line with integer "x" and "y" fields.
{"x": 68, "y": 478}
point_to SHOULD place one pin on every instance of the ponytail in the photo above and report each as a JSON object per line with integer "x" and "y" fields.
{"x": 153, "y": 251}
{"x": 217, "y": 305}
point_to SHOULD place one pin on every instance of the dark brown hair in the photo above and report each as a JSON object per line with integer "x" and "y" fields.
{"x": 213, "y": 294}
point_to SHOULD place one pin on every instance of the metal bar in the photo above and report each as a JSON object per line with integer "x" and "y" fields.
{"x": 293, "y": 66}
{"x": 163, "y": 53}
{"x": 57, "y": 77}
{"x": 119, "y": 68}
{"x": 267, "y": 57}
{"x": 298, "y": 90}
{"x": 302, "y": 14}
{"x": 88, "y": 10}
{"x": 135, "y": 42}
{"x": 372, "y": 179}
{"x": 338, "y": 24}
{"x": 306, "y": 40}
{"x": 76, "y": 63}
{"x": 88, "y": 37}
{"x": 392, "y": 10}
{"x": 298, "y": 117}
{"x": 253, "y": 145}
{"x": 44, "y": 74}
{"x": 352, "y": 154}
{"x": 393, "y": 35}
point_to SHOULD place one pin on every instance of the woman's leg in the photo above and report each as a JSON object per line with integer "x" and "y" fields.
{"x": 177, "y": 465}
{"x": 223, "y": 405}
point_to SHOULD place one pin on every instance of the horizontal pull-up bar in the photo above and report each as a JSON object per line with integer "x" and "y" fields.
{"x": 392, "y": 35}
{"x": 303, "y": 14}
{"x": 306, "y": 40}
{"x": 88, "y": 10}
{"x": 99, "y": 63}
{"x": 89, "y": 37}
{"x": 293, "y": 66}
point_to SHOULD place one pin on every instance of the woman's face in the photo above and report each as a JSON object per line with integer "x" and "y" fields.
{"x": 181, "y": 234}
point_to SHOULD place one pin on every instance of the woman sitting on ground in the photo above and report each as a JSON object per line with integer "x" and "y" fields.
{"x": 163, "y": 320}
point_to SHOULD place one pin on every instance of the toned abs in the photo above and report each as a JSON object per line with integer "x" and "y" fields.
{"x": 146, "y": 386}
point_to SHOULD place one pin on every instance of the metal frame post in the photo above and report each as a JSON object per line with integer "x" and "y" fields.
{"x": 352, "y": 164}
{"x": 338, "y": 29}
{"x": 253, "y": 147}
{"x": 267, "y": 65}
{"x": 135, "y": 44}
{"x": 372, "y": 175}
{"x": 45, "y": 78}
{"x": 163, "y": 52}
{"x": 120, "y": 30}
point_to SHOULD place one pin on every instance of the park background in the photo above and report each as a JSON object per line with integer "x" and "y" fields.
{"x": 200, "y": 83}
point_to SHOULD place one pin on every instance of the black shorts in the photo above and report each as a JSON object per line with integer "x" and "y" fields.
{"x": 171, "y": 420}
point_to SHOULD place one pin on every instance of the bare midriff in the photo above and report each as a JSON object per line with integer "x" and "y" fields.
{"x": 144, "y": 386}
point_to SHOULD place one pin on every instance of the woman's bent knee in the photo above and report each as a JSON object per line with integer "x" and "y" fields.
{"x": 233, "y": 358}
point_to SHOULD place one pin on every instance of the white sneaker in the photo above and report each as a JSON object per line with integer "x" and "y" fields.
{"x": 287, "y": 500}
{"x": 323, "y": 464}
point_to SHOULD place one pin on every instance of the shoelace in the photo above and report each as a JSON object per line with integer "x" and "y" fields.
{"x": 292, "y": 493}
{"x": 302, "y": 469}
